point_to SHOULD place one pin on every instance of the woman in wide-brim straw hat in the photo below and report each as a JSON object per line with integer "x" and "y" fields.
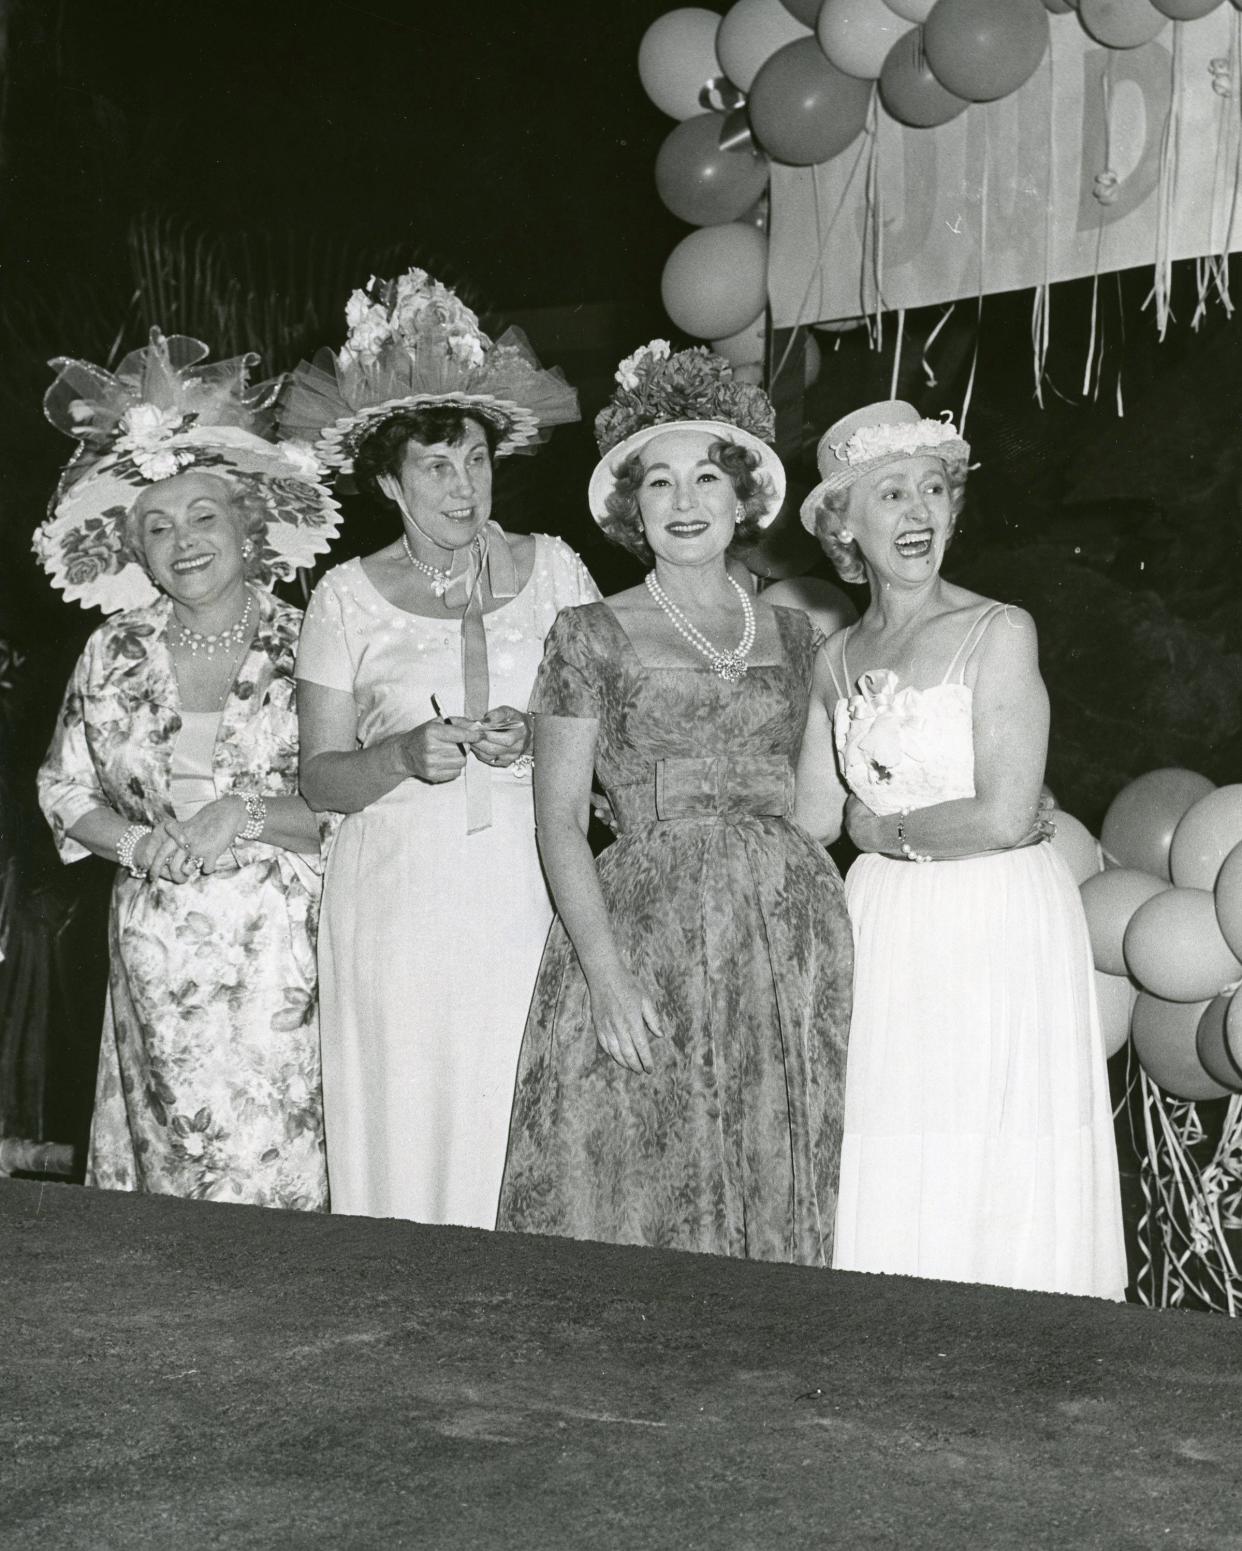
{"x": 978, "y": 1134}
{"x": 682, "y": 1070}
{"x": 175, "y": 756}
{"x": 414, "y": 669}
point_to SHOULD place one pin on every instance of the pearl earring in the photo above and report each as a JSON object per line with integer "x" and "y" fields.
{"x": 845, "y": 536}
{"x": 247, "y": 549}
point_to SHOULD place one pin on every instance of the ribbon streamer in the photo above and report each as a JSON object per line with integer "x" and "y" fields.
{"x": 735, "y": 132}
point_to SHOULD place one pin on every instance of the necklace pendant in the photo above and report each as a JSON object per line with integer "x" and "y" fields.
{"x": 440, "y": 586}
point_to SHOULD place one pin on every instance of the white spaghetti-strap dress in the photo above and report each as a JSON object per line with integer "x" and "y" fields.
{"x": 978, "y": 1142}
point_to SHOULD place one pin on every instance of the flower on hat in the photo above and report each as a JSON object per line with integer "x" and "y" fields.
{"x": 655, "y": 386}
{"x": 146, "y": 431}
{"x": 415, "y": 313}
{"x": 883, "y": 441}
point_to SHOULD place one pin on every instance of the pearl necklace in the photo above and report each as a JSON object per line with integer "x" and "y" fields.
{"x": 730, "y": 666}
{"x": 439, "y": 578}
{"x": 201, "y": 641}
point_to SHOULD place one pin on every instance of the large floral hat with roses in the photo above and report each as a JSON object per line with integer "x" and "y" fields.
{"x": 162, "y": 412}
{"x": 410, "y": 342}
{"x": 659, "y": 388}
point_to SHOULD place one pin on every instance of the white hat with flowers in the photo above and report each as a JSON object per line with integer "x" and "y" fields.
{"x": 412, "y": 341}
{"x": 659, "y": 388}
{"x": 161, "y": 413}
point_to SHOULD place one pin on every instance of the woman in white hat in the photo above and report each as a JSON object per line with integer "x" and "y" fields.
{"x": 681, "y": 1074}
{"x": 175, "y": 756}
{"x": 978, "y": 1135}
{"x": 414, "y": 671}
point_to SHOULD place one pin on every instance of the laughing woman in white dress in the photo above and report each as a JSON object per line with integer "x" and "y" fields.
{"x": 414, "y": 668}
{"x": 978, "y": 1140}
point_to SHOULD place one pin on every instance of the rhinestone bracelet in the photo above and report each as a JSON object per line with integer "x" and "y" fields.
{"x": 256, "y": 816}
{"x": 127, "y": 845}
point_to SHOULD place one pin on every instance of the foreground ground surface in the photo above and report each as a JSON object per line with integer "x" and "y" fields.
{"x": 180, "y": 1374}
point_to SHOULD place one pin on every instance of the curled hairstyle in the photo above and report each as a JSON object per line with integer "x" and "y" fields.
{"x": 383, "y": 450}
{"x": 246, "y": 505}
{"x": 624, "y": 525}
{"x": 831, "y": 517}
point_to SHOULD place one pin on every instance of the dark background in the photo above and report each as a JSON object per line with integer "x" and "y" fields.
{"x": 233, "y": 170}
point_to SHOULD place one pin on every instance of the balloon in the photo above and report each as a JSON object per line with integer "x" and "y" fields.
{"x": 1185, "y": 10}
{"x": 750, "y": 34}
{"x": 715, "y": 280}
{"x": 1077, "y": 847}
{"x": 1212, "y": 1045}
{"x": 1110, "y": 900}
{"x": 747, "y": 345}
{"x": 984, "y": 49}
{"x": 1233, "y": 1028}
{"x": 1205, "y": 837}
{"x": 1165, "y": 1036}
{"x": 677, "y": 58}
{"x": 1121, "y": 23}
{"x": 700, "y": 181}
{"x": 857, "y": 35}
{"x": 1114, "y": 994}
{"x": 1060, "y": 7}
{"x": 1228, "y": 893}
{"x": 805, "y": 10}
{"x": 1138, "y": 827}
{"x": 908, "y": 89}
{"x": 1174, "y": 949}
{"x": 916, "y": 11}
{"x": 804, "y": 110}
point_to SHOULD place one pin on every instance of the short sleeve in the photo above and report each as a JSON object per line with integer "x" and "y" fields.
{"x": 323, "y": 647}
{"x": 567, "y": 683}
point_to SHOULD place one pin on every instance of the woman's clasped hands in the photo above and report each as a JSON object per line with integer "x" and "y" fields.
{"x": 436, "y": 750}
{"x": 178, "y": 851}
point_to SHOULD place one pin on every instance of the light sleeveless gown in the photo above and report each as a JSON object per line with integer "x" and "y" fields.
{"x": 978, "y": 1142}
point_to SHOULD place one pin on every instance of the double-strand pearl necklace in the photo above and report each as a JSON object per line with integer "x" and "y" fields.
{"x": 197, "y": 641}
{"x": 439, "y": 578}
{"x": 731, "y": 666}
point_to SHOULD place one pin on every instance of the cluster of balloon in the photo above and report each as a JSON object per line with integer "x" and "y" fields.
{"x": 1163, "y": 901}
{"x": 792, "y": 81}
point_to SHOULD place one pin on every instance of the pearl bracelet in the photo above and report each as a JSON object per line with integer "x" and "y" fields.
{"x": 127, "y": 845}
{"x": 256, "y": 816}
{"x": 907, "y": 850}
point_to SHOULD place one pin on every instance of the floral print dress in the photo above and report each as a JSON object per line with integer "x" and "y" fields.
{"x": 734, "y": 922}
{"x": 208, "y": 1079}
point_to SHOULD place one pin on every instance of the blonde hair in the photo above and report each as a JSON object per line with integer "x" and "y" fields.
{"x": 830, "y": 518}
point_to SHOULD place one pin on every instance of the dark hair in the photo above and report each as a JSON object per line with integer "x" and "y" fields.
{"x": 754, "y": 490}
{"x": 246, "y": 505}
{"x": 382, "y": 451}
{"x": 830, "y": 515}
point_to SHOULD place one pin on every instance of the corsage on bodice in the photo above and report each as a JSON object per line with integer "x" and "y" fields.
{"x": 902, "y": 748}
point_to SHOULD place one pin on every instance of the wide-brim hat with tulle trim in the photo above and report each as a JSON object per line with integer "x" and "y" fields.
{"x": 870, "y": 437}
{"x": 412, "y": 342}
{"x": 162, "y": 413}
{"x": 691, "y": 390}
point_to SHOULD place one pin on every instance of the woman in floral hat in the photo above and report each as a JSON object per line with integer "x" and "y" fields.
{"x": 978, "y": 1135}
{"x": 682, "y": 1072}
{"x": 415, "y": 668}
{"x": 175, "y": 756}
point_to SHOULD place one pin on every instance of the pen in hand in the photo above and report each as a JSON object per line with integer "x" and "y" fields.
{"x": 435, "y": 706}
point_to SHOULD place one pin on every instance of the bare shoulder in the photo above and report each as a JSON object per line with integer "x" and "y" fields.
{"x": 1009, "y": 642}
{"x": 827, "y": 607}
{"x": 634, "y": 600}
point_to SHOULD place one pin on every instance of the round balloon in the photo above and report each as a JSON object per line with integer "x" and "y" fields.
{"x": 1114, "y": 995}
{"x": 984, "y": 49}
{"x": 700, "y": 181}
{"x": 715, "y": 281}
{"x": 746, "y": 346}
{"x": 1212, "y": 1045}
{"x": 1110, "y": 900}
{"x": 1228, "y": 892}
{"x": 1233, "y": 1023}
{"x": 1077, "y": 847}
{"x": 1185, "y": 10}
{"x": 909, "y": 90}
{"x": 803, "y": 110}
{"x": 857, "y": 35}
{"x": 750, "y": 34}
{"x": 1138, "y": 827}
{"x": 1165, "y": 1036}
{"x": 916, "y": 11}
{"x": 677, "y": 58}
{"x": 1205, "y": 836}
{"x": 1121, "y": 23}
{"x": 806, "y": 11}
{"x": 1173, "y": 947}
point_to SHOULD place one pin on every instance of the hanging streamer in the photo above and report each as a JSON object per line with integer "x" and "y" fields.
{"x": 1166, "y": 189}
{"x": 1041, "y": 310}
{"x": 901, "y": 328}
{"x": 928, "y": 372}
{"x": 983, "y": 244}
{"x": 873, "y": 237}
